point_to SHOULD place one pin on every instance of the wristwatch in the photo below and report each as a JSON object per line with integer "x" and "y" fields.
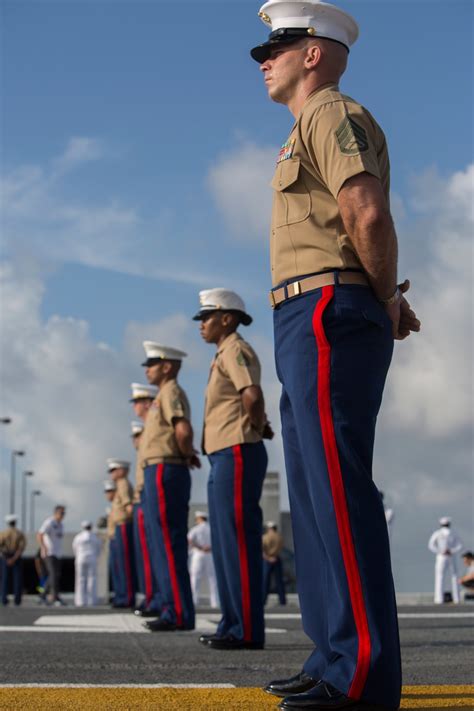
{"x": 393, "y": 299}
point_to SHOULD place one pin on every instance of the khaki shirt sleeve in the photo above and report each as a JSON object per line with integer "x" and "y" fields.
{"x": 241, "y": 365}
{"x": 124, "y": 492}
{"x": 173, "y": 405}
{"x": 342, "y": 140}
{"x": 22, "y": 543}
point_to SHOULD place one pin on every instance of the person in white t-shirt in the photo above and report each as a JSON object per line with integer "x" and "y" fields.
{"x": 199, "y": 539}
{"x": 86, "y": 546}
{"x": 50, "y": 538}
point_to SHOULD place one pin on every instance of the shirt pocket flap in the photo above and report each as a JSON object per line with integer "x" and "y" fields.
{"x": 286, "y": 174}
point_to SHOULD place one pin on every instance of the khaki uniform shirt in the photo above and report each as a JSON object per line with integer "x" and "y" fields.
{"x": 272, "y": 543}
{"x": 334, "y": 139}
{"x": 139, "y": 476}
{"x": 158, "y": 440}
{"x": 226, "y": 423}
{"x": 110, "y": 524}
{"x": 11, "y": 541}
{"x": 123, "y": 497}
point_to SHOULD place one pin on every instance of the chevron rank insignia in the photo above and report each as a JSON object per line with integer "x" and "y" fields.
{"x": 242, "y": 359}
{"x": 351, "y": 138}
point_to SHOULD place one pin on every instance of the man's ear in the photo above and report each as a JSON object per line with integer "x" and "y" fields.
{"x": 313, "y": 56}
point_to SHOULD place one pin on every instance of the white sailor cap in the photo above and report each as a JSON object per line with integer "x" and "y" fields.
{"x": 291, "y": 20}
{"x": 445, "y": 521}
{"x": 156, "y": 352}
{"x": 143, "y": 392}
{"x": 86, "y": 524}
{"x": 270, "y": 524}
{"x": 137, "y": 428}
{"x": 222, "y": 300}
{"x": 110, "y": 485}
{"x": 11, "y": 518}
{"x": 117, "y": 464}
{"x": 201, "y": 514}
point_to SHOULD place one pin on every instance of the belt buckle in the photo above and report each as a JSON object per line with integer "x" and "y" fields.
{"x": 296, "y": 288}
{"x": 271, "y": 296}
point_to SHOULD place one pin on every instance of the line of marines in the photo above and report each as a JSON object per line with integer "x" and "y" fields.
{"x": 147, "y": 523}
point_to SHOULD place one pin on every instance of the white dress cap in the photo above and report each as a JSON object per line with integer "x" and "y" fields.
{"x": 137, "y": 427}
{"x": 110, "y": 485}
{"x": 270, "y": 524}
{"x": 221, "y": 300}
{"x": 290, "y": 20}
{"x": 445, "y": 520}
{"x": 155, "y": 351}
{"x": 11, "y": 518}
{"x": 117, "y": 464}
{"x": 201, "y": 514}
{"x": 141, "y": 392}
{"x": 86, "y": 524}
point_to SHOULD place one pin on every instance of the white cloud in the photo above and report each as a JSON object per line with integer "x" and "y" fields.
{"x": 60, "y": 389}
{"x": 39, "y": 220}
{"x": 240, "y": 184}
{"x": 430, "y": 386}
{"x": 80, "y": 149}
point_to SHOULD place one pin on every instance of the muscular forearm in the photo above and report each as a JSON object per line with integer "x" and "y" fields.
{"x": 368, "y": 222}
{"x": 184, "y": 438}
{"x": 375, "y": 242}
{"x": 254, "y": 406}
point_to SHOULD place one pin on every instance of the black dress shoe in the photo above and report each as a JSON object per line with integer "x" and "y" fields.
{"x": 145, "y": 613}
{"x": 294, "y": 685}
{"x": 160, "y": 625}
{"x": 321, "y": 697}
{"x": 230, "y": 642}
{"x": 204, "y": 638}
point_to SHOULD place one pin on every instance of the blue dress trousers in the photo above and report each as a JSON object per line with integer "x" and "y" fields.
{"x": 167, "y": 492}
{"x": 124, "y": 565}
{"x": 333, "y": 348}
{"x": 234, "y": 490}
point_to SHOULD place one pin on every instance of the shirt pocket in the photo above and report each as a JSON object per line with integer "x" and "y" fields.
{"x": 292, "y": 199}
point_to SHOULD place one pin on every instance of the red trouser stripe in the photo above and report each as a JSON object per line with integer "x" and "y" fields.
{"x": 168, "y": 547}
{"x": 241, "y": 543}
{"x": 146, "y": 557}
{"x": 339, "y": 497}
{"x": 128, "y": 571}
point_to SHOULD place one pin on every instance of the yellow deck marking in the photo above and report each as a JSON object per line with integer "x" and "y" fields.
{"x": 243, "y": 699}
{"x": 443, "y": 689}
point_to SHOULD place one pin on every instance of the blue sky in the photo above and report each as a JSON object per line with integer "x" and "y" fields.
{"x": 137, "y": 145}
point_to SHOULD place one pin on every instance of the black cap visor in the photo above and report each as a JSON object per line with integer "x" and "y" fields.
{"x": 151, "y": 361}
{"x": 244, "y": 318}
{"x": 285, "y": 35}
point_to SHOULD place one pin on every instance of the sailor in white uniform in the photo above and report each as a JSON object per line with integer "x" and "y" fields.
{"x": 389, "y": 515}
{"x": 445, "y": 543}
{"x": 86, "y": 546}
{"x": 202, "y": 565}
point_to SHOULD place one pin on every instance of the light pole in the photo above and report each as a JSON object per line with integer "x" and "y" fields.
{"x": 23, "y": 499}
{"x": 34, "y": 493}
{"x": 15, "y": 453}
